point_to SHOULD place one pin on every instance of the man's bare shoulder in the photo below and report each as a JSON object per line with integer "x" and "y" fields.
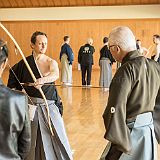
{"x": 51, "y": 61}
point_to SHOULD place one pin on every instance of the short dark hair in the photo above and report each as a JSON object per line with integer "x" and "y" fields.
{"x": 156, "y": 35}
{"x": 3, "y": 51}
{"x": 65, "y": 38}
{"x": 105, "y": 39}
{"x": 35, "y": 34}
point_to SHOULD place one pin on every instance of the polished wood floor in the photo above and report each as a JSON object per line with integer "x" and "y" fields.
{"x": 83, "y": 109}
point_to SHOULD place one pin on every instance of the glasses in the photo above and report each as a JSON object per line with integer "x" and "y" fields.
{"x": 112, "y": 46}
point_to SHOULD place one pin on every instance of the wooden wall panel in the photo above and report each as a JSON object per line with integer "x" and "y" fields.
{"x": 79, "y": 31}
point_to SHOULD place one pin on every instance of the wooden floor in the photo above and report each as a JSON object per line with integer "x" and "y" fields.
{"x": 83, "y": 109}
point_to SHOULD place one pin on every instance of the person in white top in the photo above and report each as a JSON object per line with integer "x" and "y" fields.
{"x": 144, "y": 51}
{"x": 156, "y": 51}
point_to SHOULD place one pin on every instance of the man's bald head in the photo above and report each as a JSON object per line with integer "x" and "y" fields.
{"x": 90, "y": 41}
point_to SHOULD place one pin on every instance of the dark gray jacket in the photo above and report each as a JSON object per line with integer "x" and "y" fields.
{"x": 133, "y": 91}
{"x": 15, "y": 131}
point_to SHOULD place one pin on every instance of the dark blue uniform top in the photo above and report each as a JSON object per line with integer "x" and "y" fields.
{"x": 66, "y": 49}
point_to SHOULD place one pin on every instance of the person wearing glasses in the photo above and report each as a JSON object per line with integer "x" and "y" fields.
{"x": 132, "y": 97}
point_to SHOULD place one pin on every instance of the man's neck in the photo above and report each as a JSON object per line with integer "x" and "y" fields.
{"x": 66, "y": 42}
{"x": 37, "y": 56}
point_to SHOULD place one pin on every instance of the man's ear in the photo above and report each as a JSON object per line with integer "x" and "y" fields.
{"x": 32, "y": 46}
{"x": 118, "y": 49}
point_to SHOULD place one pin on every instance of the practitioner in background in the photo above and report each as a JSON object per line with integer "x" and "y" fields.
{"x": 156, "y": 51}
{"x": 105, "y": 62}
{"x": 66, "y": 58}
{"x": 85, "y": 59}
{"x": 142, "y": 50}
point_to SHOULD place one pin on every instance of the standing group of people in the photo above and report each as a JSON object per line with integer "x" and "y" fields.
{"x": 131, "y": 117}
{"x": 85, "y": 59}
{"x": 27, "y": 125}
{"x": 155, "y": 54}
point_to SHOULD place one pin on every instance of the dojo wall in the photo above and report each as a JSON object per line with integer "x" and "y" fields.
{"x": 78, "y": 30}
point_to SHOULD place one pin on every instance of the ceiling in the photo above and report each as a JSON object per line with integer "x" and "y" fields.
{"x": 71, "y": 3}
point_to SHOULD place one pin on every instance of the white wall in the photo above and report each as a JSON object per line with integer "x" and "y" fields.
{"x": 79, "y": 13}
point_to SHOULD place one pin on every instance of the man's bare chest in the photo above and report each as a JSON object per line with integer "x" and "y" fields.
{"x": 44, "y": 67}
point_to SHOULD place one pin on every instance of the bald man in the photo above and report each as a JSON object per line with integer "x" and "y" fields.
{"x": 132, "y": 95}
{"x": 85, "y": 59}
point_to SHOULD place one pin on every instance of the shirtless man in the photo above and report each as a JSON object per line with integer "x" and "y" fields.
{"x": 44, "y": 145}
{"x": 47, "y": 67}
{"x": 156, "y": 52}
{"x": 142, "y": 50}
